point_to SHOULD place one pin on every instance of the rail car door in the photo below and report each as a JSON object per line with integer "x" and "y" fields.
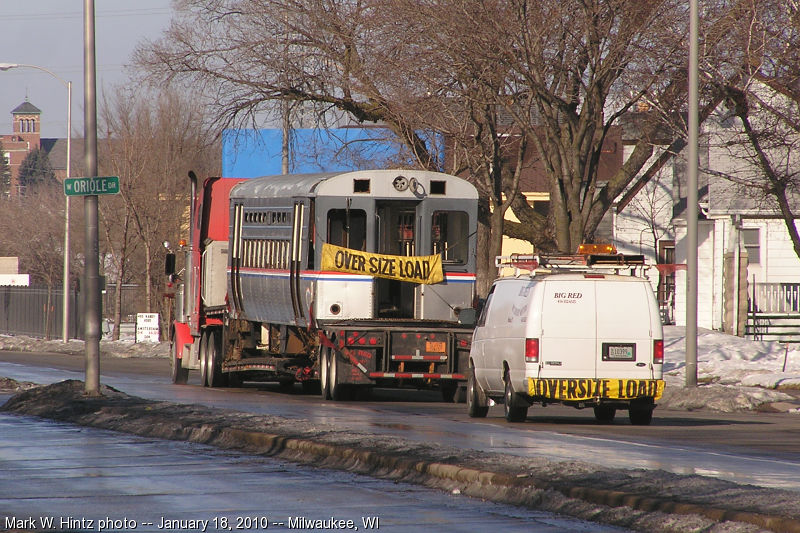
{"x": 397, "y": 229}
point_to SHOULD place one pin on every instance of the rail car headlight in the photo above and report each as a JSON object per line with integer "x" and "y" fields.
{"x": 400, "y": 183}
{"x": 336, "y": 309}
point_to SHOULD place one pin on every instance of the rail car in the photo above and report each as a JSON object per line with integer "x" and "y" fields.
{"x": 342, "y": 281}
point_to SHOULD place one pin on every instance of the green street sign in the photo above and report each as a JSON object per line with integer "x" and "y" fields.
{"x": 91, "y": 186}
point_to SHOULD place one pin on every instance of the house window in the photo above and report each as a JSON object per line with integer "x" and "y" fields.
{"x": 666, "y": 280}
{"x": 751, "y": 240}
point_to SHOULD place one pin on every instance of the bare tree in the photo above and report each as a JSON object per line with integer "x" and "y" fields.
{"x": 36, "y": 240}
{"x": 368, "y": 60}
{"x": 152, "y": 141}
{"x": 766, "y": 103}
{"x": 250, "y": 56}
{"x": 564, "y": 70}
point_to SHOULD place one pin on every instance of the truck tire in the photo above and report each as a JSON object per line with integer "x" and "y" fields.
{"x": 203, "y": 357}
{"x": 513, "y": 413}
{"x": 477, "y": 406}
{"x": 214, "y": 375}
{"x": 641, "y": 413}
{"x": 178, "y": 374}
{"x": 324, "y": 373}
{"x": 339, "y": 391}
{"x": 604, "y": 414}
{"x": 448, "y": 388}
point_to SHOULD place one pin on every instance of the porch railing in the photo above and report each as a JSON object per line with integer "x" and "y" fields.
{"x": 773, "y": 312}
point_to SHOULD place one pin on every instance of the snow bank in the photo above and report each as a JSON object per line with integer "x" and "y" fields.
{"x": 733, "y": 374}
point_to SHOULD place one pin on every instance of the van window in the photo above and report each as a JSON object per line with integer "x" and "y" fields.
{"x": 485, "y": 310}
{"x": 450, "y": 236}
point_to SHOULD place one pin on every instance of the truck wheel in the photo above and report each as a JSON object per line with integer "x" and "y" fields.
{"x": 214, "y": 375}
{"x": 512, "y": 412}
{"x": 604, "y": 414}
{"x": 203, "y": 356}
{"x": 476, "y": 400}
{"x": 339, "y": 391}
{"x": 448, "y": 389}
{"x": 641, "y": 415}
{"x": 178, "y": 374}
{"x": 324, "y": 373}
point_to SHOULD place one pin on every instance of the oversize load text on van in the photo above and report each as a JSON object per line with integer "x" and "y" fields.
{"x": 587, "y": 389}
{"x": 416, "y": 269}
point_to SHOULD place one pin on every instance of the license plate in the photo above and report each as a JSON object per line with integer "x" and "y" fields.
{"x": 619, "y": 352}
{"x": 438, "y": 347}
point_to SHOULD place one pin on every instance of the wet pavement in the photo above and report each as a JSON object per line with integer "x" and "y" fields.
{"x": 780, "y": 470}
{"x": 61, "y": 477}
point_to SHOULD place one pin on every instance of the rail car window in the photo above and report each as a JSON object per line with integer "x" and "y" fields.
{"x": 450, "y": 236}
{"x": 348, "y": 228}
{"x": 265, "y": 253}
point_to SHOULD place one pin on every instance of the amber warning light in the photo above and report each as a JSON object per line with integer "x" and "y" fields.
{"x": 587, "y": 249}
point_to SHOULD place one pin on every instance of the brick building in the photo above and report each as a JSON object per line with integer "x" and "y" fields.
{"x": 26, "y": 137}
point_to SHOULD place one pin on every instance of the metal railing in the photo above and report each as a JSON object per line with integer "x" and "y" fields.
{"x": 38, "y": 312}
{"x": 773, "y": 312}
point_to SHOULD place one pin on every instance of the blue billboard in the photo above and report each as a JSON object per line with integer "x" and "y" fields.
{"x": 248, "y": 153}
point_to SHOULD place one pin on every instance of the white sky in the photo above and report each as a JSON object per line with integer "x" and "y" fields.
{"x": 50, "y": 34}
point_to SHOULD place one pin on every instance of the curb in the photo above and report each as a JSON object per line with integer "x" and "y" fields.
{"x": 460, "y": 474}
{"x": 498, "y": 487}
{"x": 373, "y": 463}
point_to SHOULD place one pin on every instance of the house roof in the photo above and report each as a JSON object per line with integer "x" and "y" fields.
{"x": 26, "y": 108}
{"x": 56, "y": 149}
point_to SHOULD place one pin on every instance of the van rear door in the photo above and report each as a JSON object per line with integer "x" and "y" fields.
{"x": 568, "y": 340}
{"x": 624, "y": 329}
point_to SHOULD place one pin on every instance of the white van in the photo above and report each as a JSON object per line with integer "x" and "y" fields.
{"x": 576, "y": 332}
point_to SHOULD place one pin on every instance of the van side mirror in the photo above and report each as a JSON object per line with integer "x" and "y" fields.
{"x": 169, "y": 264}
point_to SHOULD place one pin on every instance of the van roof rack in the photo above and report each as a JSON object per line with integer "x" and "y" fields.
{"x": 545, "y": 263}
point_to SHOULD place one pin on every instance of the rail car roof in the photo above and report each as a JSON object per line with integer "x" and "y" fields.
{"x": 344, "y": 184}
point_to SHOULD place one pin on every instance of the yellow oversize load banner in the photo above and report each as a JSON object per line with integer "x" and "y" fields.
{"x": 416, "y": 269}
{"x": 587, "y": 389}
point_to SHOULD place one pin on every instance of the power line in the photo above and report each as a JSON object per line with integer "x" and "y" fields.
{"x": 79, "y": 14}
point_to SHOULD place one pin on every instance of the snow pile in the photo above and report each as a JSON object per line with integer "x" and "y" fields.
{"x": 733, "y": 374}
{"x": 121, "y": 348}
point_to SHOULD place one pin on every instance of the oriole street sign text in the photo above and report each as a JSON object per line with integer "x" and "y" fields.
{"x": 91, "y": 186}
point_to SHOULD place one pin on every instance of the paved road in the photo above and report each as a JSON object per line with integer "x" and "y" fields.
{"x": 83, "y": 479}
{"x": 756, "y": 448}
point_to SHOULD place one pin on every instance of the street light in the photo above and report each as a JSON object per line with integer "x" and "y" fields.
{"x": 68, "y": 85}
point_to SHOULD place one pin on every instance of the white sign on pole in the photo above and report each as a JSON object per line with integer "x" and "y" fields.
{"x": 147, "y": 328}
{"x": 15, "y": 280}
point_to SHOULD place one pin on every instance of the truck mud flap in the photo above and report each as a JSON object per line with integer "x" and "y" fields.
{"x": 565, "y": 389}
{"x": 345, "y": 352}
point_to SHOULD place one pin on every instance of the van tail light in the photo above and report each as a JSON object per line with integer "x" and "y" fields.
{"x": 658, "y": 352}
{"x": 531, "y": 350}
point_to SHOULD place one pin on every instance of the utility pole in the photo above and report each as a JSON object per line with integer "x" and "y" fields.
{"x": 691, "y": 203}
{"x": 92, "y": 284}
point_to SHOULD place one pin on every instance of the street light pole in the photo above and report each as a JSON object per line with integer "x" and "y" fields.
{"x": 68, "y": 84}
{"x": 65, "y": 313}
{"x": 691, "y": 200}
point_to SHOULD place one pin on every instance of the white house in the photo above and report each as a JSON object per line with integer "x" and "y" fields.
{"x": 736, "y": 225}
